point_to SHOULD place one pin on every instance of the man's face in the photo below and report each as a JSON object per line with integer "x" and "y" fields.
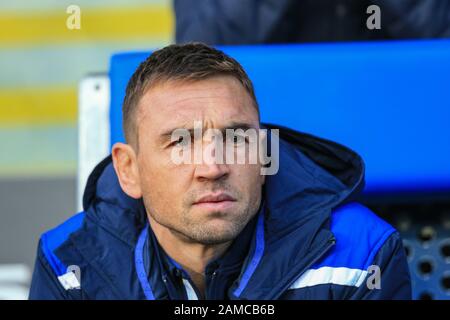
{"x": 204, "y": 202}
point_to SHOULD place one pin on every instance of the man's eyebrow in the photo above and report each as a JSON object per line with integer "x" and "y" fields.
{"x": 239, "y": 125}
{"x": 166, "y": 135}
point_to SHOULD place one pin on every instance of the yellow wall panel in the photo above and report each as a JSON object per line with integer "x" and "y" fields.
{"x": 48, "y": 105}
{"x": 100, "y": 24}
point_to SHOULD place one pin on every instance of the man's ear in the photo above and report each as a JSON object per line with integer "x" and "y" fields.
{"x": 126, "y": 166}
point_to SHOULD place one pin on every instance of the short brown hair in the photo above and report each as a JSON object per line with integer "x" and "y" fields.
{"x": 186, "y": 62}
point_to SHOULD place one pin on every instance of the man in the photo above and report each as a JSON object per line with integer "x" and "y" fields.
{"x": 157, "y": 228}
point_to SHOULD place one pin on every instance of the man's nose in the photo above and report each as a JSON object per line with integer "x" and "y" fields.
{"x": 212, "y": 166}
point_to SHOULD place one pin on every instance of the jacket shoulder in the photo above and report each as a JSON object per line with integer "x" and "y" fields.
{"x": 54, "y": 238}
{"x": 359, "y": 234}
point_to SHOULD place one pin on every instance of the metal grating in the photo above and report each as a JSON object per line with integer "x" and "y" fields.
{"x": 425, "y": 228}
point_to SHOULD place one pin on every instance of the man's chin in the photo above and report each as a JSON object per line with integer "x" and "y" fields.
{"x": 215, "y": 230}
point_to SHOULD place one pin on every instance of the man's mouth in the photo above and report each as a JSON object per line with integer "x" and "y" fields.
{"x": 215, "y": 201}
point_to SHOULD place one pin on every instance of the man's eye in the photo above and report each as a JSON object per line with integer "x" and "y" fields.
{"x": 180, "y": 142}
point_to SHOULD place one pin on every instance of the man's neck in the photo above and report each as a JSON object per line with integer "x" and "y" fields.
{"x": 192, "y": 256}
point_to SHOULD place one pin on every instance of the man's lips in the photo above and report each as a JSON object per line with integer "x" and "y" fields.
{"x": 215, "y": 201}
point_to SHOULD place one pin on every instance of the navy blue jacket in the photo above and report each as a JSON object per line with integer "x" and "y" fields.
{"x": 310, "y": 240}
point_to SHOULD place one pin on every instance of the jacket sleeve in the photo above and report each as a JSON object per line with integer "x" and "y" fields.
{"x": 394, "y": 277}
{"x": 44, "y": 283}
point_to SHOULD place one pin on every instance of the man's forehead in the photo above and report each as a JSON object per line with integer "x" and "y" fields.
{"x": 210, "y": 100}
{"x": 186, "y": 93}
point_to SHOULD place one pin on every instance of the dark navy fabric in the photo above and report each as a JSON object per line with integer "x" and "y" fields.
{"x": 310, "y": 240}
{"x": 286, "y": 21}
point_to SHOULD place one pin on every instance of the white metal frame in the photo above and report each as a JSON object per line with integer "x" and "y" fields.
{"x": 93, "y": 127}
